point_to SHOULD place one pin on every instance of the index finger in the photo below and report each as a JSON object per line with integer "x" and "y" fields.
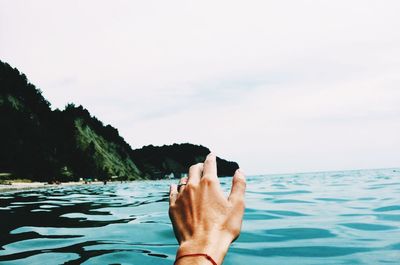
{"x": 210, "y": 167}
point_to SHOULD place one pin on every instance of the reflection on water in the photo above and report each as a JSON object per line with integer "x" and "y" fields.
{"x": 350, "y": 217}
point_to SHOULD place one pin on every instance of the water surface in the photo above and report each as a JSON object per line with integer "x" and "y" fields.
{"x": 349, "y": 217}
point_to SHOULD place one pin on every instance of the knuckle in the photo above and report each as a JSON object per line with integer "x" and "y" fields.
{"x": 207, "y": 180}
{"x": 240, "y": 181}
{"x": 240, "y": 203}
{"x": 190, "y": 186}
{"x": 171, "y": 209}
{"x": 199, "y": 166}
{"x": 236, "y": 231}
{"x": 195, "y": 166}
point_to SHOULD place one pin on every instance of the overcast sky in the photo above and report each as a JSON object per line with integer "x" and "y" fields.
{"x": 278, "y": 86}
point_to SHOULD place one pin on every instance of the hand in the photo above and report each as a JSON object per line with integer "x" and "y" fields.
{"x": 204, "y": 220}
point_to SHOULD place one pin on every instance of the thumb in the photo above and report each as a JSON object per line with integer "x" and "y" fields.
{"x": 238, "y": 187}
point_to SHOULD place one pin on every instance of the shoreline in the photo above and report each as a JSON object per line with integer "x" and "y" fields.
{"x": 19, "y": 186}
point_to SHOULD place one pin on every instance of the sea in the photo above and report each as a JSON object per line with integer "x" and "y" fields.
{"x": 342, "y": 217}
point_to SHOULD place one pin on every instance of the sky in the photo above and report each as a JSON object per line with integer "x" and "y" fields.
{"x": 278, "y": 86}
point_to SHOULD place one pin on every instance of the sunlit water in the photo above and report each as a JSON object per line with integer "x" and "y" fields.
{"x": 350, "y": 217}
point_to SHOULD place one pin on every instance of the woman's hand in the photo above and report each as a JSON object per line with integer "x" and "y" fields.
{"x": 204, "y": 220}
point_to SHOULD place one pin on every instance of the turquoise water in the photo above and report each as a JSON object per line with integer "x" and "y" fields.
{"x": 349, "y": 217}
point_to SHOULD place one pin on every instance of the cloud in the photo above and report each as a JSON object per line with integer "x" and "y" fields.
{"x": 276, "y": 85}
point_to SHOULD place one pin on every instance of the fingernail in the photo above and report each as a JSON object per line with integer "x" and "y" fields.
{"x": 241, "y": 172}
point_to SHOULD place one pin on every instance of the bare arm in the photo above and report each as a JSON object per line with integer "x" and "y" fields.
{"x": 204, "y": 220}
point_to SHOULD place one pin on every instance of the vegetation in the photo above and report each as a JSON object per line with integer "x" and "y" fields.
{"x": 41, "y": 144}
{"x": 176, "y": 159}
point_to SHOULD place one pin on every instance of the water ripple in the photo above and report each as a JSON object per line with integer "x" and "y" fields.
{"x": 369, "y": 227}
{"x": 347, "y": 217}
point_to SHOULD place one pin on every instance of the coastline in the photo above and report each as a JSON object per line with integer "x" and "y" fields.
{"x": 18, "y": 186}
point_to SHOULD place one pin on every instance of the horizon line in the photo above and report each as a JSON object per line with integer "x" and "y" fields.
{"x": 324, "y": 171}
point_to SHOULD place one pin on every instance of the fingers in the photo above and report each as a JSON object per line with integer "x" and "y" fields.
{"x": 238, "y": 187}
{"x": 210, "y": 167}
{"x": 195, "y": 173}
{"x": 173, "y": 193}
{"x": 182, "y": 184}
{"x": 175, "y": 189}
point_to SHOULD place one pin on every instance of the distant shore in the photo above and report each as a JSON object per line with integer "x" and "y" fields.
{"x": 16, "y": 186}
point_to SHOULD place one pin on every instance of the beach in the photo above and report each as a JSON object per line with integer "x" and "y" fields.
{"x": 15, "y": 186}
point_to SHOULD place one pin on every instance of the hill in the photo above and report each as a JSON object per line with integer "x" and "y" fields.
{"x": 42, "y": 144}
{"x": 176, "y": 159}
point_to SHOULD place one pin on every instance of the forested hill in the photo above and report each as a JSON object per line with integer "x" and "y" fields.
{"x": 41, "y": 144}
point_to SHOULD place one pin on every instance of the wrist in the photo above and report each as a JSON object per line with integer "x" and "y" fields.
{"x": 216, "y": 248}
